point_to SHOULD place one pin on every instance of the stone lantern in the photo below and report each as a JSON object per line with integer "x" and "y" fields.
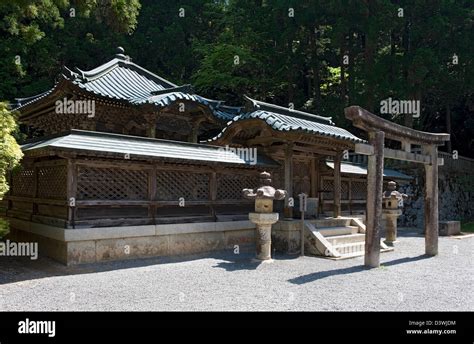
{"x": 391, "y": 210}
{"x": 264, "y": 217}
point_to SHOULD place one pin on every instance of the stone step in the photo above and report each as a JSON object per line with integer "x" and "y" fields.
{"x": 337, "y": 231}
{"x": 356, "y": 254}
{"x": 351, "y": 255}
{"x": 346, "y": 239}
{"x": 332, "y": 222}
{"x": 338, "y": 242}
{"x": 351, "y": 248}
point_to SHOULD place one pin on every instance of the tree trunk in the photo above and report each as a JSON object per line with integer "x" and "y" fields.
{"x": 350, "y": 69}
{"x": 370, "y": 44}
{"x": 316, "y": 77}
{"x": 343, "y": 71}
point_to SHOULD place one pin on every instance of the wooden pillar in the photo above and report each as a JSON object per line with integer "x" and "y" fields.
{"x": 313, "y": 174}
{"x": 288, "y": 179}
{"x": 337, "y": 184}
{"x": 35, "y": 189}
{"x": 213, "y": 193}
{"x": 151, "y": 132}
{"x": 406, "y": 146}
{"x": 152, "y": 193}
{"x": 151, "y": 128}
{"x": 71, "y": 191}
{"x": 431, "y": 201}
{"x": 193, "y": 137}
{"x": 374, "y": 200}
{"x": 349, "y": 194}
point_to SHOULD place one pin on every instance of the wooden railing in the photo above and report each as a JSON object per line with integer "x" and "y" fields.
{"x": 94, "y": 193}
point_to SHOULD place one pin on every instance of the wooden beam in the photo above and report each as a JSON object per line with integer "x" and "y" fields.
{"x": 369, "y": 122}
{"x": 263, "y": 140}
{"x": 374, "y": 200}
{"x": 145, "y": 203}
{"x": 366, "y": 149}
{"x": 37, "y": 200}
{"x": 56, "y": 162}
{"x": 406, "y": 156}
{"x": 310, "y": 149}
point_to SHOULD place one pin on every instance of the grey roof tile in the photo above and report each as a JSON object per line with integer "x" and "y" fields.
{"x": 124, "y": 80}
{"x": 351, "y": 168}
{"x": 286, "y": 123}
{"x": 142, "y": 148}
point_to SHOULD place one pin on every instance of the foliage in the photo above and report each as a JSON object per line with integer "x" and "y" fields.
{"x": 10, "y": 153}
{"x": 289, "y": 51}
{"x": 467, "y": 227}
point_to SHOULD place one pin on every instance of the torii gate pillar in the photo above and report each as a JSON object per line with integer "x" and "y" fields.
{"x": 374, "y": 200}
{"x": 431, "y": 201}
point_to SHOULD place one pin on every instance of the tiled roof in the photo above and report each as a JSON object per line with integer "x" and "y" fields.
{"x": 283, "y": 119}
{"x": 351, "y": 168}
{"x": 116, "y": 146}
{"x": 120, "y": 79}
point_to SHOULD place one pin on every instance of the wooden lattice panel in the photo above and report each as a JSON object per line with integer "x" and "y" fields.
{"x": 301, "y": 177}
{"x": 173, "y": 185}
{"x": 97, "y": 183}
{"x": 359, "y": 190}
{"x": 52, "y": 182}
{"x": 344, "y": 189}
{"x": 230, "y": 186}
{"x": 278, "y": 179}
{"x": 23, "y": 183}
{"x": 328, "y": 188}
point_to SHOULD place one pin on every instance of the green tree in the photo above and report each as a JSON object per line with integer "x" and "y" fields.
{"x": 10, "y": 154}
{"x": 35, "y": 35}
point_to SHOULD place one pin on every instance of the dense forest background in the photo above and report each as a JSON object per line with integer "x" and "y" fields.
{"x": 319, "y": 55}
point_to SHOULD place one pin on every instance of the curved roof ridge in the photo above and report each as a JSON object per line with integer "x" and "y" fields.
{"x": 22, "y": 102}
{"x": 259, "y": 105}
{"x": 124, "y": 62}
{"x": 146, "y": 73}
{"x": 98, "y": 71}
{"x": 282, "y": 122}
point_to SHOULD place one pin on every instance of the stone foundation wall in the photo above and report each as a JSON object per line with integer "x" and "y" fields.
{"x": 456, "y": 197}
{"x": 79, "y": 246}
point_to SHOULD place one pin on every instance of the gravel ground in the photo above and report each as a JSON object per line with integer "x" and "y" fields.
{"x": 406, "y": 281}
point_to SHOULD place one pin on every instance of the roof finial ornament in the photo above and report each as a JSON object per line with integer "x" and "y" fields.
{"x": 120, "y": 53}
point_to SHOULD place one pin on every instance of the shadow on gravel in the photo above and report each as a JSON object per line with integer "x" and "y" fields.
{"x": 353, "y": 269}
{"x": 17, "y": 269}
{"x": 247, "y": 261}
{"x": 238, "y": 265}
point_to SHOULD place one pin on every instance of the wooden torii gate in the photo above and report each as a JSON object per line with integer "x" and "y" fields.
{"x": 378, "y": 129}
